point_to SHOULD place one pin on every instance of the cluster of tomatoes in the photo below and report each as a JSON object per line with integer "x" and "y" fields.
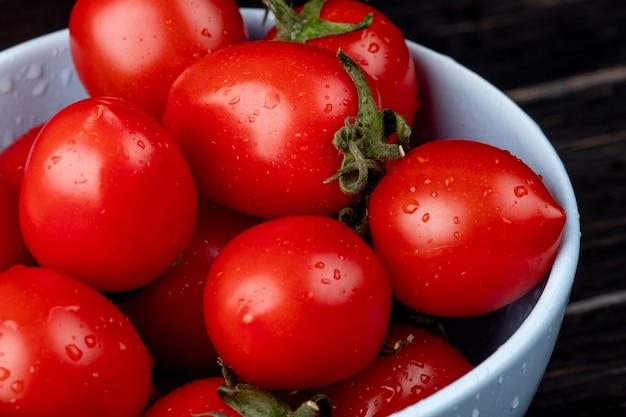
{"x": 248, "y": 216}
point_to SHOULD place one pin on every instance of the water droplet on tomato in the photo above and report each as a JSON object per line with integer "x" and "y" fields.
{"x": 319, "y": 265}
{"x": 520, "y": 191}
{"x": 234, "y": 100}
{"x": 456, "y": 220}
{"x": 410, "y": 206}
{"x": 487, "y": 191}
{"x": 425, "y": 378}
{"x": 73, "y": 352}
{"x": 328, "y": 108}
{"x": 4, "y": 373}
{"x": 205, "y": 32}
{"x": 141, "y": 144}
{"x": 56, "y": 159}
{"x": 17, "y": 387}
{"x": 325, "y": 281}
{"x": 122, "y": 346}
{"x": 337, "y": 274}
{"x": 426, "y": 217}
{"x": 457, "y": 235}
{"x": 434, "y": 194}
{"x": 373, "y": 47}
{"x": 417, "y": 390}
{"x": 91, "y": 341}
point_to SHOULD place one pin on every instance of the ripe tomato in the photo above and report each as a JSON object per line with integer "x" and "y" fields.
{"x": 168, "y": 312}
{"x": 192, "y": 399}
{"x": 256, "y": 123}
{"x": 13, "y": 250}
{"x": 463, "y": 228}
{"x": 107, "y": 196}
{"x": 379, "y": 49}
{"x": 421, "y": 367}
{"x": 66, "y": 350}
{"x": 134, "y": 49}
{"x": 297, "y": 302}
{"x": 13, "y": 158}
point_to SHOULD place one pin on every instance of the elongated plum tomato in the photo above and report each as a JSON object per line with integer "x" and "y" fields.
{"x": 135, "y": 49}
{"x": 107, "y": 197}
{"x": 66, "y": 350}
{"x": 256, "y": 122}
{"x": 463, "y": 227}
{"x": 297, "y": 302}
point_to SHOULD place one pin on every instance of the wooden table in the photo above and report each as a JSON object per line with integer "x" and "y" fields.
{"x": 564, "y": 62}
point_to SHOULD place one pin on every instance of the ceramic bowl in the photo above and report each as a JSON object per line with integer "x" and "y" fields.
{"x": 512, "y": 346}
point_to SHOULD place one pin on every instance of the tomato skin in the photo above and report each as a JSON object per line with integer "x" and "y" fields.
{"x": 297, "y": 302}
{"x": 106, "y": 197}
{"x": 196, "y": 397}
{"x": 168, "y": 312}
{"x": 13, "y": 250}
{"x": 463, "y": 228}
{"x": 13, "y": 158}
{"x": 380, "y": 50}
{"x": 67, "y": 350}
{"x": 134, "y": 49}
{"x": 259, "y": 118}
{"x": 391, "y": 383}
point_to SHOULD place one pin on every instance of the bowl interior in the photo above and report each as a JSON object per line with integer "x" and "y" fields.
{"x": 511, "y": 346}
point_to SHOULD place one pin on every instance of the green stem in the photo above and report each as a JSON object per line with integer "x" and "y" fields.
{"x": 291, "y": 26}
{"x": 363, "y": 139}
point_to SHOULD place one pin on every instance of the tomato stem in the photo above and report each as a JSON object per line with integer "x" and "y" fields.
{"x": 291, "y": 26}
{"x": 363, "y": 139}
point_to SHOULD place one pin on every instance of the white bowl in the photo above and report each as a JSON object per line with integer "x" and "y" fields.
{"x": 512, "y": 346}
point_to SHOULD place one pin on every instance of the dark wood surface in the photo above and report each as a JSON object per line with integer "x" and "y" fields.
{"x": 564, "y": 62}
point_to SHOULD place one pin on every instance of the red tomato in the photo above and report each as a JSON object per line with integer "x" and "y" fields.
{"x": 135, "y": 49}
{"x": 194, "y": 398}
{"x": 13, "y": 250}
{"x": 66, "y": 350}
{"x": 256, "y": 123}
{"x": 297, "y": 302}
{"x": 463, "y": 228}
{"x": 423, "y": 366}
{"x": 13, "y": 158}
{"x": 168, "y": 312}
{"x": 379, "y": 49}
{"x": 107, "y": 197}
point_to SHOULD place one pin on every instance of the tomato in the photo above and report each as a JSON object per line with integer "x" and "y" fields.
{"x": 424, "y": 364}
{"x": 168, "y": 312}
{"x": 463, "y": 228}
{"x": 13, "y": 157}
{"x": 256, "y": 123}
{"x": 297, "y": 302}
{"x": 134, "y": 49}
{"x": 107, "y": 197}
{"x": 13, "y": 250}
{"x": 66, "y": 350}
{"x": 379, "y": 49}
{"x": 194, "y": 398}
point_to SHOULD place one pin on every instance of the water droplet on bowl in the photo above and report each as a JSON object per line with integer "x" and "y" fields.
{"x": 6, "y": 85}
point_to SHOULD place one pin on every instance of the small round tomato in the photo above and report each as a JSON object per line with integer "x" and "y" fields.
{"x": 66, "y": 350}
{"x": 463, "y": 227}
{"x": 135, "y": 49}
{"x": 13, "y": 250}
{"x": 379, "y": 49}
{"x": 168, "y": 312}
{"x": 192, "y": 399}
{"x": 107, "y": 197}
{"x": 13, "y": 157}
{"x": 297, "y": 302}
{"x": 256, "y": 122}
{"x": 424, "y": 364}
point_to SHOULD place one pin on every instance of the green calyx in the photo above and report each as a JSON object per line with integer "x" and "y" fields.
{"x": 308, "y": 24}
{"x": 363, "y": 139}
{"x": 251, "y": 401}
